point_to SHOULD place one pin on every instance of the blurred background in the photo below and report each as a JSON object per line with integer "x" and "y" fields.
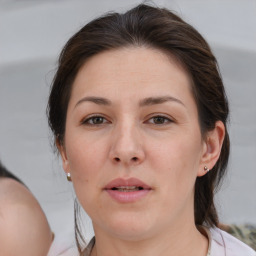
{"x": 32, "y": 33}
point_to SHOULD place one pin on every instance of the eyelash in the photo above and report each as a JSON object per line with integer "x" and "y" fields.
{"x": 87, "y": 121}
{"x": 91, "y": 118}
{"x": 166, "y": 120}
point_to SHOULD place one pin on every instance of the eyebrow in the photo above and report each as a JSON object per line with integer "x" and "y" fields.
{"x": 158, "y": 100}
{"x": 145, "y": 102}
{"x": 96, "y": 100}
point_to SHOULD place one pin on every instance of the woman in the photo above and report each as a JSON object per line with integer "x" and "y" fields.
{"x": 24, "y": 229}
{"x": 139, "y": 114}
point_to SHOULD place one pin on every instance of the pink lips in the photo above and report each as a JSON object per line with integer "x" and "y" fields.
{"x": 127, "y": 190}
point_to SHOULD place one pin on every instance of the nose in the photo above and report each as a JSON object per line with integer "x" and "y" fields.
{"x": 126, "y": 146}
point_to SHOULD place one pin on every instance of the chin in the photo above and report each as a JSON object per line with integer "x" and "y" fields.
{"x": 129, "y": 227}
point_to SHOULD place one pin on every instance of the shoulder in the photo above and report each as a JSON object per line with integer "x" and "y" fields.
{"x": 222, "y": 242}
{"x": 24, "y": 229}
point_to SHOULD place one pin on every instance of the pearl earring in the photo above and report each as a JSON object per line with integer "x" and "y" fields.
{"x": 206, "y": 169}
{"x": 69, "y": 176}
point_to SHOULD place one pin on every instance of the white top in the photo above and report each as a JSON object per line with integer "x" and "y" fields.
{"x": 220, "y": 244}
{"x": 223, "y": 244}
{"x": 63, "y": 245}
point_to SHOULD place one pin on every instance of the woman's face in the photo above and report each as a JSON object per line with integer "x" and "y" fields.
{"x": 132, "y": 143}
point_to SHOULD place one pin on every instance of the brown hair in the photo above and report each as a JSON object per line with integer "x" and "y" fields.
{"x": 157, "y": 28}
{"x": 4, "y": 173}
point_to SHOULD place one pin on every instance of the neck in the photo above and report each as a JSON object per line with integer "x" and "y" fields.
{"x": 181, "y": 241}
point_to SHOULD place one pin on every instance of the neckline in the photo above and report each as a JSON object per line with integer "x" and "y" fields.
{"x": 207, "y": 232}
{"x": 204, "y": 229}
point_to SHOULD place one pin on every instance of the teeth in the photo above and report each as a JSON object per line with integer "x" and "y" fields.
{"x": 127, "y": 188}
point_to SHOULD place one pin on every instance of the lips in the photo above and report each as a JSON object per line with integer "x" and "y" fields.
{"x": 131, "y": 184}
{"x": 127, "y": 190}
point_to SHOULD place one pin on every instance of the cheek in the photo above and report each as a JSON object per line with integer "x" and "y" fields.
{"x": 176, "y": 161}
{"x": 85, "y": 158}
{"x": 86, "y": 161}
{"x": 175, "y": 153}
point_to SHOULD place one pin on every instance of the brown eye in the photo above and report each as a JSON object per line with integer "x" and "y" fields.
{"x": 159, "y": 120}
{"x": 94, "y": 120}
{"x": 97, "y": 120}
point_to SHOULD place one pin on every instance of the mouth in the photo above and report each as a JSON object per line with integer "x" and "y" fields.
{"x": 127, "y": 185}
{"x": 127, "y": 190}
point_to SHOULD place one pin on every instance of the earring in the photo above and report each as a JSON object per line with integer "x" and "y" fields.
{"x": 206, "y": 169}
{"x": 69, "y": 176}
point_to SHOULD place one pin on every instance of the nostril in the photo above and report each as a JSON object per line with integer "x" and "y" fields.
{"x": 135, "y": 159}
{"x": 117, "y": 159}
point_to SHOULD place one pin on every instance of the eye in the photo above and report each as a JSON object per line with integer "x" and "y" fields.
{"x": 94, "y": 120}
{"x": 159, "y": 120}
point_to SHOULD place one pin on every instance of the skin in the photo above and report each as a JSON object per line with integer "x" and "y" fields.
{"x": 167, "y": 153}
{"x": 24, "y": 229}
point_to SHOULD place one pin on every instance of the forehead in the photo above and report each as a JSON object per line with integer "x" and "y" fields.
{"x": 131, "y": 71}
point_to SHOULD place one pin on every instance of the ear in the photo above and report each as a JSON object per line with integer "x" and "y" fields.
{"x": 211, "y": 148}
{"x": 63, "y": 154}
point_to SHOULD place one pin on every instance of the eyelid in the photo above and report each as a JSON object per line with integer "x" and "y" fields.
{"x": 170, "y": 119}
{"x": 85, "y": 120}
